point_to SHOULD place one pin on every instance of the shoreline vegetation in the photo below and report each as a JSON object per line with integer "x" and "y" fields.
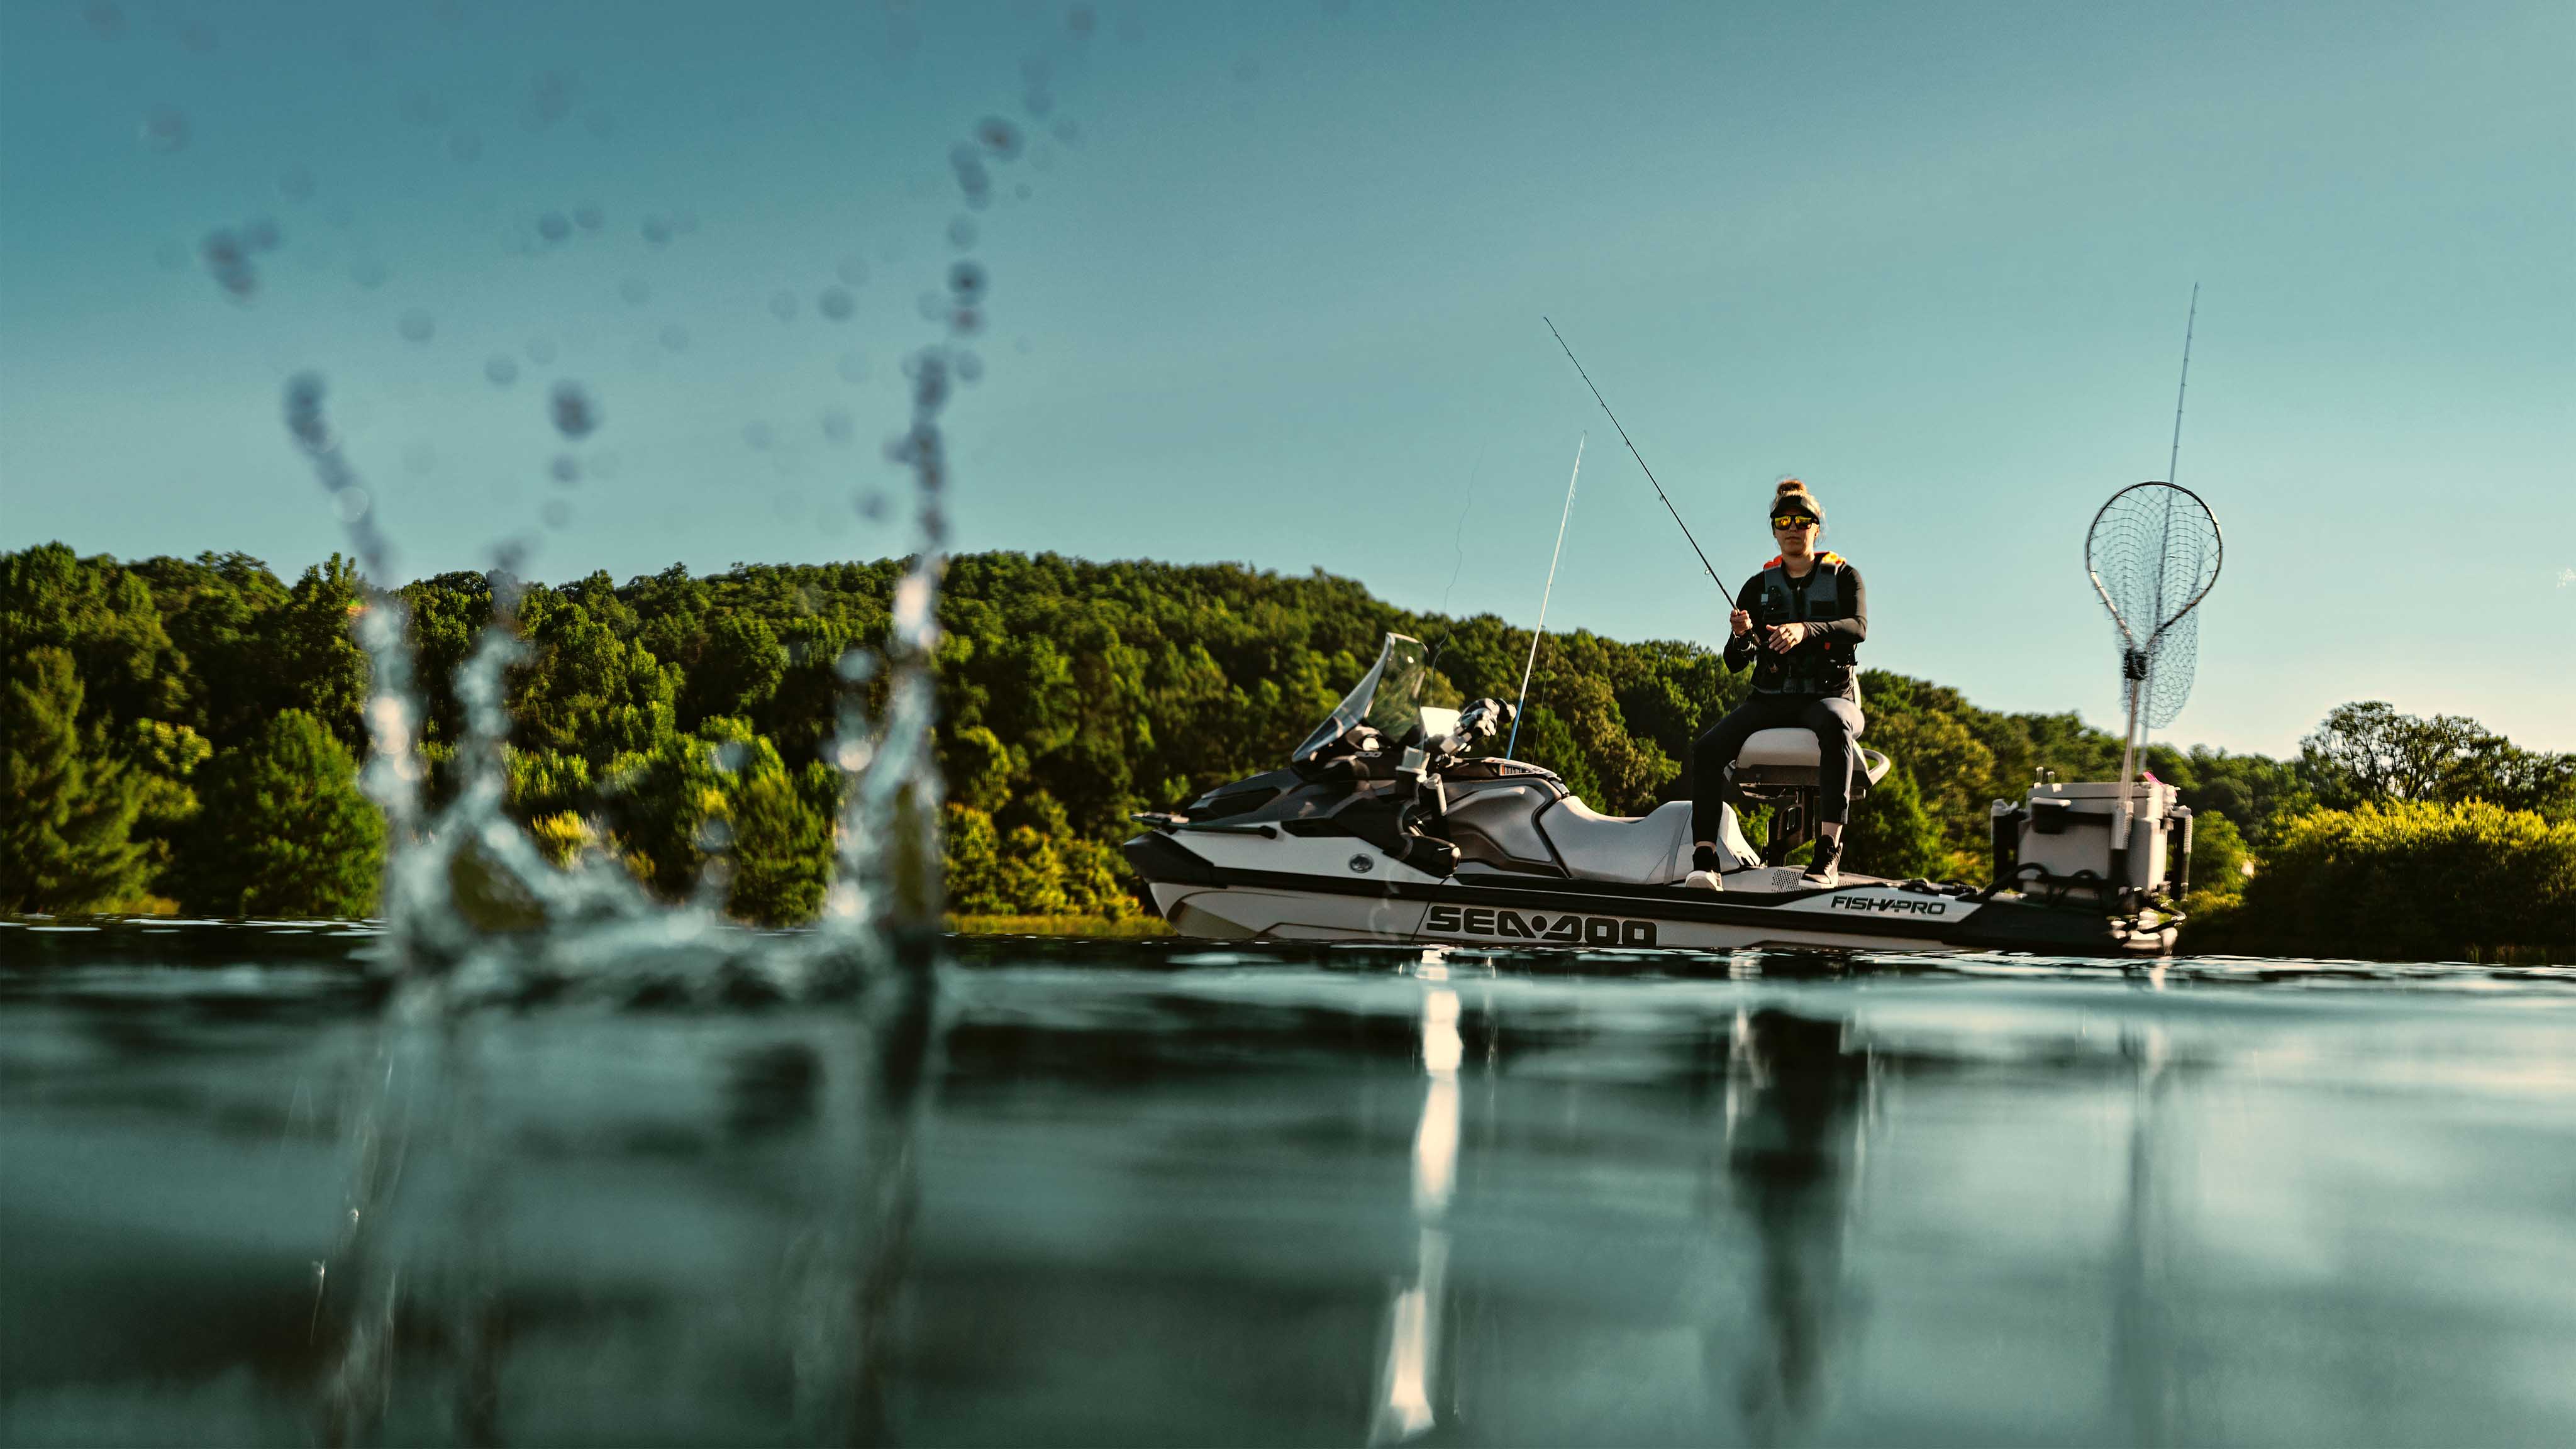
{"x": 183, "y": 735}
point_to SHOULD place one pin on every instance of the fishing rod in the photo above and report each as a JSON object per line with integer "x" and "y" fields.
{"x": 1633, "y": 453}
{"x": 1546, "y": 594}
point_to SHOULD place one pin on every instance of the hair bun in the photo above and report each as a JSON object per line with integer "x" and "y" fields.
{"x": 1789, "y": 485}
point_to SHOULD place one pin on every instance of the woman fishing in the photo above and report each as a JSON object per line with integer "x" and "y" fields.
{"x": 1797, "y": 622}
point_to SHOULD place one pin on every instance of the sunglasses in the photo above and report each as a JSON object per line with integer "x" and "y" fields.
{"x": 1791, "y": 520}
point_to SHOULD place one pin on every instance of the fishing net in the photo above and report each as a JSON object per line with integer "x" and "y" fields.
{"x": 2154, "y": 551}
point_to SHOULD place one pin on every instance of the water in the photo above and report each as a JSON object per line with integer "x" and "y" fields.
{"x": 1156, "y": 1193}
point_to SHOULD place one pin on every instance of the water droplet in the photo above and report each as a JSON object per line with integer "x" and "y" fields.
{"x": 165, "y": 129}
{"x": 465, "y": 146}
{"x": 576, "y": 416}
{"x": 965, "y": 321}
{"x": 836, "y": 304}
{"x": 872, "y": 505}
{"x": 550, "y": 99}
{"x": 565, "y": 469}
{"x": 716, "y": 833}
{"x": 859, "y": 665}
{"x": 836, "y": 425}
{"x": 635, "y": 291}
{"x": 295, "y": 184}
{"x": 556, "y": 513}
{"x": 782, "y": 305}
{"x": 353, "y": 504}
{"x": 540, "y": 351}
{"x": 228, "y": 263}
{"x": 1001, "y": 139}
{"x": 1080, "y": 21}
{"x": 369, "y": 273}
{"x": 757, "y": 436}
{"x": 966, "y": 282}
{"x": 961, "y": 233}
{"x": 675, "y": 337}
{"x": 1021, "y": 191}
{"x": 416, "y": 325}
{"x": 852, "y": 367}
{"x": 970, "y": 368}
{"x": 502, "y": 370}
{"x": 554, "y": 226}
{"x": 657, "y": 232}
{"x": 587, "y": 216}
{"x": 103, "y": 17}
{"x": 261, "y": 235}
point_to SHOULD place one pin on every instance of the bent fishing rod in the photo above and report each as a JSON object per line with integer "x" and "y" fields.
{"x": 1640, "y": 457}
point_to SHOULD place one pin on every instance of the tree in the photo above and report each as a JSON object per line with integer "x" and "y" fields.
{"x": 782, "y": 845}
{"x": 284, "y": 829}
{"x": 64, "y": 846}
{"x": 2368, "y": 753}
{"x": 1891, "y": 835}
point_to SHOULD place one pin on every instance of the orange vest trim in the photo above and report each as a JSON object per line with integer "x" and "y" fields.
{"x": 1822, "y": 558}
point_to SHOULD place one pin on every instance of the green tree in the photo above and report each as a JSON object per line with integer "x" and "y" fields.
{"x": 1891, "y": 834}
{"x": 782, "y": 845}
{"x": 285, "y": 830}
{"x": 2217, "y": 855}
{"x": 64, "y": 846}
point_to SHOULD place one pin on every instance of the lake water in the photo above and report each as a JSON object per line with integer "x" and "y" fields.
{"x": 1159, "y": 1193}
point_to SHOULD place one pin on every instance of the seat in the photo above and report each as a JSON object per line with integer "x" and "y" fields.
{"x": 1649, "y": 849}
{"x": 1780, "y": 768}
{"x": 1789, "y": 755}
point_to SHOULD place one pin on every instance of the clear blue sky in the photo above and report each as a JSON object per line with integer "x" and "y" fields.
{"x": 1277, "y": 299}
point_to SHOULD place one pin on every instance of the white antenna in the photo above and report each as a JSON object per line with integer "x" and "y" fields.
{"x": 1546, "y": 594}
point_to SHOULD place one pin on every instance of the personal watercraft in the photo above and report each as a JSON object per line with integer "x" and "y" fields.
{"x": 1387, "y": 824}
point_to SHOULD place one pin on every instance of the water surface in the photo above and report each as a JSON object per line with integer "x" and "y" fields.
{"x": 1153, "y": 1192}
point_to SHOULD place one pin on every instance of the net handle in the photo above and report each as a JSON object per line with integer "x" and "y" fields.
{"x": 2137, "y": 689}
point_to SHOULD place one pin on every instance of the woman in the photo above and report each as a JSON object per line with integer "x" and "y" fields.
{"x": 1797, "y": 622}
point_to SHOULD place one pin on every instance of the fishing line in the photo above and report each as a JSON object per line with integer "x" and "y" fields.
{"x": 1460, "y": 540}
{"x": 1633, "y": 453}
{"x": 1547, "y": 593}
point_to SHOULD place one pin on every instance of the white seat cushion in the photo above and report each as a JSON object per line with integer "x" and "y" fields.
{"x": 1793, "y": 747}
{"x": 1649, "y": 849}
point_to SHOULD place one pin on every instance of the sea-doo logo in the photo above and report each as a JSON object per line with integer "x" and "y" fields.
{"x": 1565, "y": 930}
{"x": 1887, "y": 906}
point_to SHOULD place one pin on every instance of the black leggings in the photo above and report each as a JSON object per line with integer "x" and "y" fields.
{"x": 1837, "y": 723}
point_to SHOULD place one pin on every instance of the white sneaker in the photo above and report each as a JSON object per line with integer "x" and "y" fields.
{"x": 1704, "y": 880}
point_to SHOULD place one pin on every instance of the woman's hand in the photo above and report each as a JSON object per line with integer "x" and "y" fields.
{"x": 1739, "y": 623}
{"x": 1785, "y": 637}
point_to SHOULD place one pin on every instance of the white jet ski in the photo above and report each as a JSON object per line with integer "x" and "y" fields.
{"x": 1386, "y": 826}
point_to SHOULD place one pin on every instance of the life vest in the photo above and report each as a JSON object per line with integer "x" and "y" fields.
{"x": 1819, "y": 668}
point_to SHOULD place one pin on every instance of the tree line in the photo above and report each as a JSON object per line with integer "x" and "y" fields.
{"x": 184, "y": 734}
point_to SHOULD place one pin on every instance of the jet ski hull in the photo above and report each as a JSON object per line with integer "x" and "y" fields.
{"x": 1332, "y": 898}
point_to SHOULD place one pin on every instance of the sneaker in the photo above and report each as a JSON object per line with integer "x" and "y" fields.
{"x": 1821, "y": 870}
{"x": 1704, "y": 880}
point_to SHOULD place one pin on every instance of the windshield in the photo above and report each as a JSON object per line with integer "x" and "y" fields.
{"x": 1385, "y": 697}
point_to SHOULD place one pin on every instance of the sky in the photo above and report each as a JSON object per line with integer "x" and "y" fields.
{"x": 1265, "y": 283}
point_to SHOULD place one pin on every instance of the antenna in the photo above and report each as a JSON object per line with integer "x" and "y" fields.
{"x": 1546, "y": 594}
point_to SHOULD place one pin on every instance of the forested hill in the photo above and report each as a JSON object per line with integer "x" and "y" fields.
{"x": 176, "y": 727}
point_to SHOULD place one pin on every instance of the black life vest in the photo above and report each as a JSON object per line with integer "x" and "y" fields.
{"x": 1817, "y": 667}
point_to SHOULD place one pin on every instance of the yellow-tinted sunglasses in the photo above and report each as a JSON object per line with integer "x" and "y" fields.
{"x": 1792, "y": 520}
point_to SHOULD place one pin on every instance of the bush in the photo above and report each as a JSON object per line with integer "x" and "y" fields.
{"x": 2412, "y": 880}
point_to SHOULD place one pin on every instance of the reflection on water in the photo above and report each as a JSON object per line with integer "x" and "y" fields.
{"x": 1145, "y": 1193}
